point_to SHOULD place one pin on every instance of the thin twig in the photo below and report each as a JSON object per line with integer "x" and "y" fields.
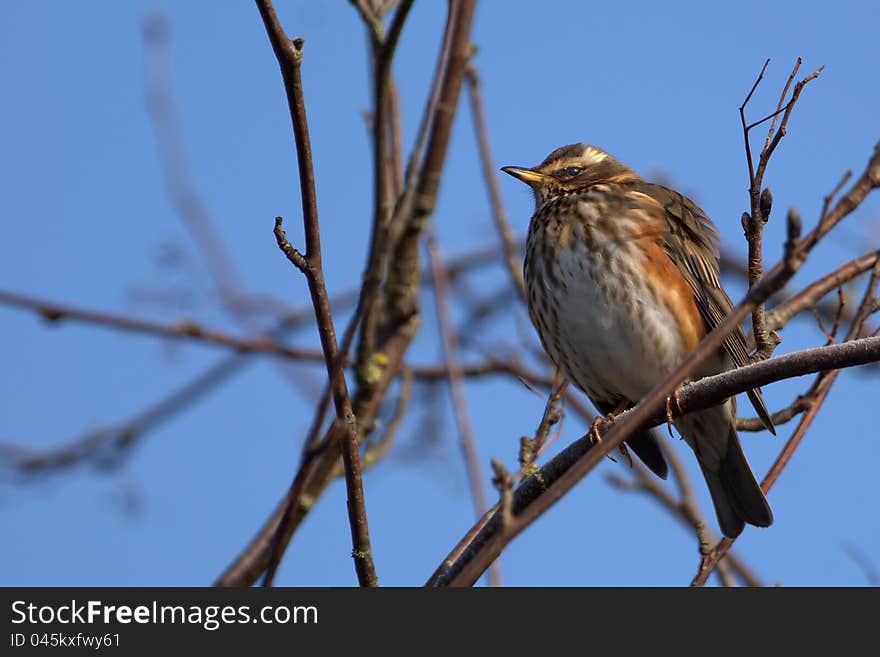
{"x": 690, "y": 509}
{"x": 466, "y": 434}
{"x": 185, "y": 199}
{"x": 502, "y": 224}
{"x": 872, "y": 574}
{"x": 783, "y": 126}
{"x": 868, "y": 304}
{"x": 826, "y": 202}
{"x": 761, "y": 200}
{"x": 831, "y": 334}
{"x": 781, "y": 106}
{"x": 780, "y": 417}
{"x": 530, "y": 448}
{"x": 742, "y": 116}
{"x": 376, "y": 450}
{"x": 810, "y": 295}
{"x": 54, "y": 313}
{"x": 107, "y": 445}
{"x": 289, "y": 55}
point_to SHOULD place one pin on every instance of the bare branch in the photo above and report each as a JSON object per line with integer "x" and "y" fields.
{"x": 508, "y": 242}
{"x": 107, "y": 445}
{"x": 780, "y": 417}
{"x": 186, "y": 330}
{"x": 872, "y": 574}
{"x": 812, "y": 293}
{"x": 466, "y": 434}
{"x": 289, "y": 55}
{"x": 378, "y": 449}
{"x": 742, "y": 116}
{"x": 414, "y": 209}
{"x": 530, "y": 448}
{"x": 761, "y": 199}
{"x": 185, "y": 199}
{"x": 867, "y": 182}
{"x": 379, "y": 252}
{"x": 487, "y": 543}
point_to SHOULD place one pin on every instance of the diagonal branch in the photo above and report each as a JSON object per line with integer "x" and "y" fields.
{"x": 106, "y": 445}
{"x": 695, "y": 396}
{"x": 812, "y": 293}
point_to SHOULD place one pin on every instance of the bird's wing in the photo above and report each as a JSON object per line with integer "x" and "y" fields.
{"x": 691, "y": 242}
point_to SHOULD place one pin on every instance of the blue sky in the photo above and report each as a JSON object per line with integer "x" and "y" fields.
{"x": 86, "y": 220}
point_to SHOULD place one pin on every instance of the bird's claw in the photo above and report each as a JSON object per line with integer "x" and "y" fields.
{"x": 674, "y": 398}
{"x": 595, "y": 438}
{"x": 599, "y": 420}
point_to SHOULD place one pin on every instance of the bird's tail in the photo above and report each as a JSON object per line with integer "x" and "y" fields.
{"x": 737, "y": 497}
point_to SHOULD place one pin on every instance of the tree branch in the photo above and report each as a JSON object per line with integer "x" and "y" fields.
{"x": 693, "y": 397}
{"x": 502, "y": 224}
{"x": 186, "y": 330}
{"x": 761, "y": 199}
{"x": 466, "y": 434}
{"x": 289, "y": 55}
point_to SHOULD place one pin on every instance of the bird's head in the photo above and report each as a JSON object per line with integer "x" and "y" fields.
{"x": 572, "y": 168}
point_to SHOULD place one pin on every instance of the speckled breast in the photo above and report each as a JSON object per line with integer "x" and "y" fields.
{"x": 601, "y": 317}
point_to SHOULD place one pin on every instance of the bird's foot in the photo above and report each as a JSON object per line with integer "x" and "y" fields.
{"x": 595, "y": 438}
{"x": 599, "y": 420}
{"x": 673, "y": 407}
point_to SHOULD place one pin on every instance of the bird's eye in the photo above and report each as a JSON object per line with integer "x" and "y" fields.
{"x": 572, "y": 171}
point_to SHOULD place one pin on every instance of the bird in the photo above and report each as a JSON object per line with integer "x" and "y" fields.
{"x": 622, "y": 281}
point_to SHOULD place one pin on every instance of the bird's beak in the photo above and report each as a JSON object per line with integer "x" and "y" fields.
{"x": 528, "y": 176}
